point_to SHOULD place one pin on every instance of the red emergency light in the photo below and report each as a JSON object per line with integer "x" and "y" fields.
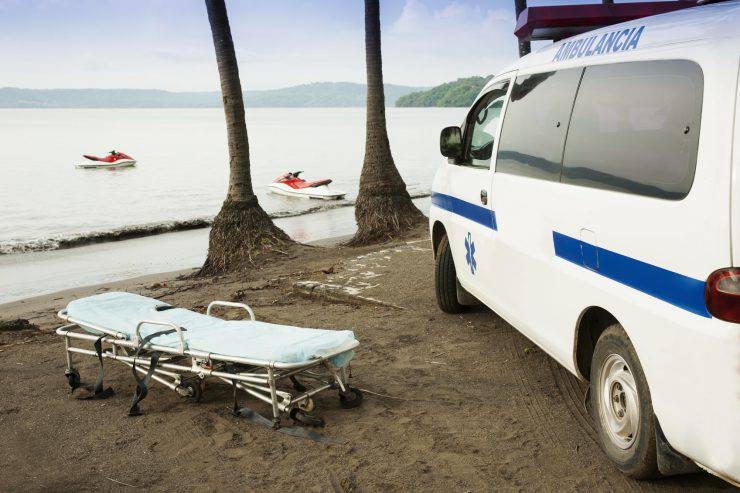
{"x": 562, "y": 21}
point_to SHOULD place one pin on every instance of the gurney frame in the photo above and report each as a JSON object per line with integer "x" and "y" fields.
{"x": 259, "y": 378}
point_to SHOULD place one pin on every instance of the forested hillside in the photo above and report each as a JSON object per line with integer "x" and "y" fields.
{"x": 461, "y": 92}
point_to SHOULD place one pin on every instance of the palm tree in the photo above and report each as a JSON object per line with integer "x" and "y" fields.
{"x": 384, "y": 208}
{"x": 242, "y": 230}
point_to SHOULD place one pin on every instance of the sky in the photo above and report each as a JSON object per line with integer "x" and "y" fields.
{"x": 166, "y": 44}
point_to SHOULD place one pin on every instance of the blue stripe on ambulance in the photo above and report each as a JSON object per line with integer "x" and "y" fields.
{"x": 462, "y": 208}
{"x": 678, "y": 290}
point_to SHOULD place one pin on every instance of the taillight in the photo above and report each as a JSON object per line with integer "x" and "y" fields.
{"x": 723, "y": 294}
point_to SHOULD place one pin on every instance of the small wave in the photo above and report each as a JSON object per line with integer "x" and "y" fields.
{"x": 150, "y": 229}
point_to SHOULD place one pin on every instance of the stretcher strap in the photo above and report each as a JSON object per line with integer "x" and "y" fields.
{"x": 294, "y": 431}
{"x": 141, "y": 383}
{"x": 96, "y": 391}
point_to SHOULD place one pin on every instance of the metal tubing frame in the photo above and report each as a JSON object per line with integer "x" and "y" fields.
{"x": 263, "y": 386}
{"x": 122, "y": 340}
{"x": 231, "y": 304}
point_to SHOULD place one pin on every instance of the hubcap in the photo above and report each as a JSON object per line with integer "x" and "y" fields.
{"x": 619, "y": 408}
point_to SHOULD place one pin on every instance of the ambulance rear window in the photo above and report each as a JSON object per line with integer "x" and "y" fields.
{"x": 635, "y": 128}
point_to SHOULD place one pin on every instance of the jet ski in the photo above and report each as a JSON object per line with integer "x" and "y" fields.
{"x": 290, "y": 184}
{"x": 114, "y": 160}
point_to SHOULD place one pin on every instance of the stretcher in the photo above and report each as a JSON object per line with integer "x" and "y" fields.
{"x": 282, "y": 365}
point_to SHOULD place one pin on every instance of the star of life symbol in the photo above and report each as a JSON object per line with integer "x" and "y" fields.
{"x": 470, "y": 253}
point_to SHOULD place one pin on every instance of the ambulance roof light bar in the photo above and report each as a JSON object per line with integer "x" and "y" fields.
{"x": 562, "y": 21}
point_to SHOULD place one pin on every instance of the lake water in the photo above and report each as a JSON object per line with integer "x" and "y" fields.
{"x": 181, "y": 175}
{"x": 182, "y": 163}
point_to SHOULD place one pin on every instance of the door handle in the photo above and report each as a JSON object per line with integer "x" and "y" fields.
{"x": 484, "y": 197}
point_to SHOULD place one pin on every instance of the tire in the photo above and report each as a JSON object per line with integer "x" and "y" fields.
{"x": 621, "y": 406}
{"x": 351, "y": 398}
{"x": 196, "y": 391}
{"x": 73, "y": 379}
{"x": 445, "y": 279}
{"x": 306, "y": 419}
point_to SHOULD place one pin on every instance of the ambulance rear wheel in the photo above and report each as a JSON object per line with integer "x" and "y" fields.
{"x": 445, "y": 279}
{"x": 621, "y": 405}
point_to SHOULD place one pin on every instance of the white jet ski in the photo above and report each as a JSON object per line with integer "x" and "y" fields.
{"x": 290, "y": 184}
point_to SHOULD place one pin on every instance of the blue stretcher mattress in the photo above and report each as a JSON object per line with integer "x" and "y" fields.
{"x": 121, "y": 312}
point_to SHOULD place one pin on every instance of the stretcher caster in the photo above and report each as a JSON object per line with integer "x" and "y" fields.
{"x": 191, "y": 390}
{"x": 306, "y": 405}
{"x": 73, "y": 378}
{"x": 351, "y": 398}
{"x": 306, "y": 419}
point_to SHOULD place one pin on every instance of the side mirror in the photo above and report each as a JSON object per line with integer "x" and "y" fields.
{"x": 450, "y": 142}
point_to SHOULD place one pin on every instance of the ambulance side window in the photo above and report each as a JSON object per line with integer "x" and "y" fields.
{"x": 536, "y": 122}
{"x": 635, "y": 128}
{"x": 481, "y": 127}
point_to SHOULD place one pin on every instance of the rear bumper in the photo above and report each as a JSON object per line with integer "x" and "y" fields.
{"x": 696, "y": 394}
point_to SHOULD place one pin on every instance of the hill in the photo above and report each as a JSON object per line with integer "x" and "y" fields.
{"x": 460, "y": 93}
{"x": 317, "y": 94}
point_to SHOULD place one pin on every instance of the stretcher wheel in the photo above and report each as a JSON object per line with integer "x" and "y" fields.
{"x": 195, "y": 389}
{"x": 306, "y": 419}
{"x": 306, "y": 405}
{"x": 73, "y": 379}
{"x": 351, "y": 398}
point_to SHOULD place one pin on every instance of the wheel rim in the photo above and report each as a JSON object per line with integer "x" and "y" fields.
{"x": 620, "y": 402}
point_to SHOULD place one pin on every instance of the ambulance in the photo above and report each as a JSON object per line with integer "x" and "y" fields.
{"x": 591, "y": 198}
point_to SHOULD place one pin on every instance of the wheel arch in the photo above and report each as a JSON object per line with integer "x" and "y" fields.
{"x": 438, "y": 232}
{"x": 592, "y": 322}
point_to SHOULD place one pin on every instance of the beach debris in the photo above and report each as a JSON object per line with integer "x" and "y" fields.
{"x": 121, "y": 482}
{"x": 17, "y": 325}
{"x": 337, "y": 293}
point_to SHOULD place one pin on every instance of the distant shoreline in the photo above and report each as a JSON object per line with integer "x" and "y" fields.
{"x": 315, "y": 95}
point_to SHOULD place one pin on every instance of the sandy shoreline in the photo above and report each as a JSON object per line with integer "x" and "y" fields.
{"x": 38, "y": 273}
{"x": 15, "y": 309}
{"x": 454, "y": 402}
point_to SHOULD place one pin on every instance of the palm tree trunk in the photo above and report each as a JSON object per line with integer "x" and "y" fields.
{"x": 242, "y": 230}
{"x": 384, "y": 208}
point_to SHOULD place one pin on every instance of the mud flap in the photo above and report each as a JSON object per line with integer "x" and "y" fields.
{"x": 465, "y": 298}
{"x": 587, "y": 400}
{"x": 671, "y": 461}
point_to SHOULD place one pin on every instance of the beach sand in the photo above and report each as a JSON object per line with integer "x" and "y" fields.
{"x": 455, "y": 402}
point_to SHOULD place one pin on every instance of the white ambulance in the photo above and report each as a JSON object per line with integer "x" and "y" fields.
{"x": 591, "y": 198}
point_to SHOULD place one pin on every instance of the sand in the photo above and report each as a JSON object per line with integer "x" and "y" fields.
{"x": 453, "y": 402}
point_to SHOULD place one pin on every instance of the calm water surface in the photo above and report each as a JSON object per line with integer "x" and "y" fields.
{"x": 183, "y": 168}
{"x": 181, "y": 175}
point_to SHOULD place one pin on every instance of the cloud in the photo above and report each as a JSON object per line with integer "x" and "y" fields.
{"x": 278, "y": 43}
{"x": 431, "y": 45}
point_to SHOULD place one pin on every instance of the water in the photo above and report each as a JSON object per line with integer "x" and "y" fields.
{"x": 182, "y": 175}
{"x": 37, "y": 273}
{"x": 183, "y": 163}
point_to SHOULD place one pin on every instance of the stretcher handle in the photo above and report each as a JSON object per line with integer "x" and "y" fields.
{"x": 231, "y": 304}
{"x": 165, "y": 324}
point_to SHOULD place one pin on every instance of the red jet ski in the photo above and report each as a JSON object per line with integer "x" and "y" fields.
{"x": 291, "y": 184}
{"x": 114, "y": 160}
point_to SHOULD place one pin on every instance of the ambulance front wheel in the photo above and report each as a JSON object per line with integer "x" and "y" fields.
{"x": 445, "y": 279}
{"x": 621, "y": 405}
